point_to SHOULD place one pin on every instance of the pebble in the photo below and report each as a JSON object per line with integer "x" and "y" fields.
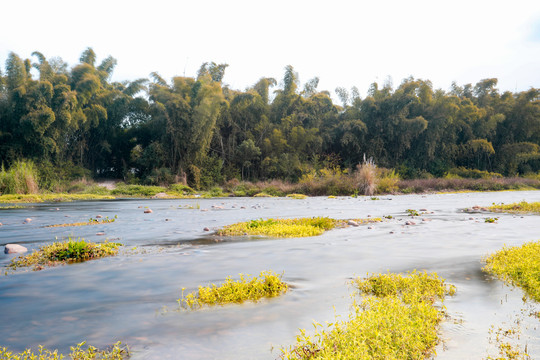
{"x": 148, "y": 211}
{"x": 471, "y": 218}
{"x": 99, "y": 216}
{"x": 0, "y": 224}
{"x": 423, "y": 210}
{"x": 206, "y": 229}
{"x": 14, "y": 249}
{"x": 370, "y": 227}
{"x": 101, "y": 233}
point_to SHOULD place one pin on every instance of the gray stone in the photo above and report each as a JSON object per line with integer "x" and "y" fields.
{"x": 14, "y": 249}
{"x": 352, "y": 223}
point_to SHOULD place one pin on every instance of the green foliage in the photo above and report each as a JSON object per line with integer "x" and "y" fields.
{"x": 91, "y": 221}
{"x": 247, "y": 288}
{"x": 38, "y": 198}
{"x": 20, "y": 178}
{"x": 490, "y": 220}
{"x": 181, "y": 189}
{"x": 412, "y": 212}
{"x": 117, "y": 352}
{"x": 520, "y": 207}
{"x": 297, "y": 196}
{"x": 64, "y": 252}
{"x": 137, "y": 190}
{"x": 300, "y": 227}
{"x": 462, "y": 172}
{"x": 518, "y": 265}
{"x": 398, "y": 321}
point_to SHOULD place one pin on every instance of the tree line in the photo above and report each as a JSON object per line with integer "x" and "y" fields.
{"x": 200, "y": 131}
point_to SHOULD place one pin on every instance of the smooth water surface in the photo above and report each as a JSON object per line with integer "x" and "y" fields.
{"x": 133, "y": 297}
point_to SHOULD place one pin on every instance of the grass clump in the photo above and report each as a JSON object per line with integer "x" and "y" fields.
{"x": 520, "y": 207}
{"x": 69, "y": 251}
{"x": 297, "y": 196}
{"x": 20, "y": 178}
{"x": 91, "y": 221}
{"x": 395, "y": 319}
{"x": 116, "y": 352}
{"x": 301, "y": 227}
{"x": 247, "y": 288}
{"x": 519, "y": 266}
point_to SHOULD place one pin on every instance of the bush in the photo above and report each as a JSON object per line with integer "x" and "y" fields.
{"x": 387, "y": 181}
{"x": 137, "y": 190}
{"x": 181, "y": 189}
{"x": 462, "y": 172}
{"x": 21, "y": 178}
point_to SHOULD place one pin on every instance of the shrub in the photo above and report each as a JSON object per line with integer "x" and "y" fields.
{"x": 117, "y": 352}
{"x": 387, "y": 181}
{"x": 181, "y": 189}
{"x": 21, "y": 178}
{"x": 137, "y": 190}
{"x": 462, "y": 172}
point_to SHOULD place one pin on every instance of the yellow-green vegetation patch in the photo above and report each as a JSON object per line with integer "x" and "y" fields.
{"x": 520, "y": 207}
{"x": 300, "y": 227}
{"x": 395, "y": 319}
{"x": 518, "y": 265}
{"x": 38, "y": 198}
{"x": 69, "y": 251}
{"x": 91, "y": 221}
{"x": 297, "y": 196}
{"x": 262, "y": 194}
{"x": 247, "y": 288}
{"x": 116, "y": 352}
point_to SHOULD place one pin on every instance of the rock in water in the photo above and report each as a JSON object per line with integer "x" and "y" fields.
{"x": 14, "y": 249}
{"x": 148, "y": 211}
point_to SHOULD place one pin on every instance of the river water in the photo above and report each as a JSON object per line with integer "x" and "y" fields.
{"x": 133, "y": 297}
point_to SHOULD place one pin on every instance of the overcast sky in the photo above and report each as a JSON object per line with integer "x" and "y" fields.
{"x": 344, "y": 43}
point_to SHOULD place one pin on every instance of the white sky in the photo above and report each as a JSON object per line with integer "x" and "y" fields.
{"x": 344, "y": 43}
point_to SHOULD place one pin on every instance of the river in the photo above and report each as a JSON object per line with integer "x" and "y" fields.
{"x": 133, "y": 297}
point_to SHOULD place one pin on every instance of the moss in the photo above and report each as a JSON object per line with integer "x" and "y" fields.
{"x": 247, "y": 288}
{"x": 518, "y": 265}
{"x": 300, "y": 227}
{"x": 117, "y": 352}
{"x": 59, "y": 253}
{"x": 396, "y": 319}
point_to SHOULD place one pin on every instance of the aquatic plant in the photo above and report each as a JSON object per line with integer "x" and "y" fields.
{"x": 490, "y": 220}
{"x": 520, "y": 207}
{"x": 300, "y": 227}
{"x": 116, "y": 352}
{"x": 395, "y": 319}
{"x": 247, "y": 288}
{"x": 64, "y": 252}
{"x": 519, "y": 266}
{"x": 297, "y": 196}
{"x": 412, "y": 212}
{"x": 91, "y": 221}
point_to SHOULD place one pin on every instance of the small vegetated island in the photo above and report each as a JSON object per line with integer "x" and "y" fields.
{"x": 300, "y": 227}
{"x": 396, "y": 318}
{"x": 248, "y": 288}
{"x": 60, "y": 253}
{"x": 520, "y": 207}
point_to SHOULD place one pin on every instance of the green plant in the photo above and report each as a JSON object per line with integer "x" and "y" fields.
{"x": 412, "y": 212}
{"x": 518, "y": 265}
{"x": 137, "y": 190}
{"x": 300, "y": 227}
{"x": 64, "y": 252}
{"x": 395, "y": 319}
{"x": 117, "y": 352}
{"x": 297, "y": 196}
{"x": 491, "y": 220}
{"x": 521, "y": 207}
{"x": 248, "y": 287}
{"x": 21, "y": 178}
